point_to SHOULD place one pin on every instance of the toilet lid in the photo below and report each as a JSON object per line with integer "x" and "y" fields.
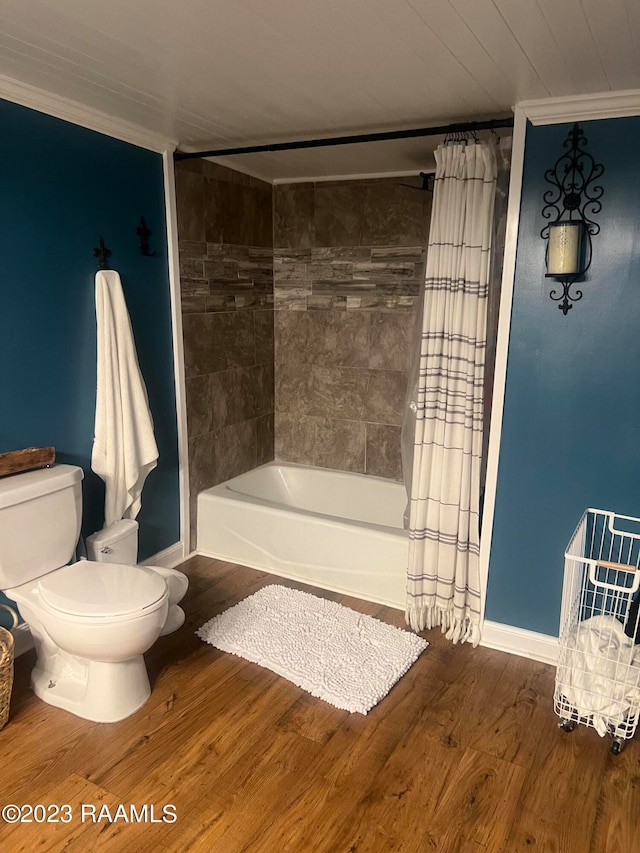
{"x": 87, "y": 588}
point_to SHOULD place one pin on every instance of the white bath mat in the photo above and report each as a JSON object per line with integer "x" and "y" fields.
{"x": 343, "y": 657}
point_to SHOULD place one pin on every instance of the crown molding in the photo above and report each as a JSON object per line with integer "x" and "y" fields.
{"x": 582, "y": 107}
{"x": 76, "y": 113}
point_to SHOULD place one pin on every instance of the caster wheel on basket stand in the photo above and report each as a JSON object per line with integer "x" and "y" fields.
{"x": 617, "y": 746}
{"x": 567, "y": 725}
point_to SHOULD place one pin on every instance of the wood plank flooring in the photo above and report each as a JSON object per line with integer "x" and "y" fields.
{"x": 463, "y": 755}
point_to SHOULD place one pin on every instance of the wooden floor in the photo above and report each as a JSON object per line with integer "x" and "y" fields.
{"x": 463, "y": 755}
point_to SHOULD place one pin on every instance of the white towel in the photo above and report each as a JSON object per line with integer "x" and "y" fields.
{"x": 601, "y": 674}
{"x": 124, "y": 446}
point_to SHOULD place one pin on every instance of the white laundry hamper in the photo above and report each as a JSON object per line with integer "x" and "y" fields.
{"x": 598, "y": 674}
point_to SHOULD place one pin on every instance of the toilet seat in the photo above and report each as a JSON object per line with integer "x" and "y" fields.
{"x": 92, "y": 589}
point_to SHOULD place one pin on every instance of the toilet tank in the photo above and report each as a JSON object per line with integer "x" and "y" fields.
{"x": 40, "y": 519}
{"x": 117, "y": 543}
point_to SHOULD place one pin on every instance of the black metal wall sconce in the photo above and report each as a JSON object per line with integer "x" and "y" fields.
{"x": 102, "y": 254}
{"x": 571, "y": 202}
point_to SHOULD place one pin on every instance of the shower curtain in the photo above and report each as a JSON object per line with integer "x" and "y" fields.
{"x": 443, "y": 584}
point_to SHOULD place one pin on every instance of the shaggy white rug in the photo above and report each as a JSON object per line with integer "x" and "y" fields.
{"x": 332, "y": 652}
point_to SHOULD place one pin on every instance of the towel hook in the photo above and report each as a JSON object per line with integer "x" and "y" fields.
{"x": 102, "y": 254}
{"x": 143, "y": 233}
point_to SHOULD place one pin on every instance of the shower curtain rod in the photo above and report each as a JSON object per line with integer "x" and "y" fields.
{"x": 441, "y": 130}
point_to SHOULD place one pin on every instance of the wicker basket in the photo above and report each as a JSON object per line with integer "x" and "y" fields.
{"x": 6, "y": 666}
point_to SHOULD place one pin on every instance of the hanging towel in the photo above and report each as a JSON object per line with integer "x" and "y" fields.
{"x": 124, "y": 446}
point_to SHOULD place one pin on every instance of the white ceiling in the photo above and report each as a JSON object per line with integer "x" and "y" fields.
{"x": 221, "y": 73}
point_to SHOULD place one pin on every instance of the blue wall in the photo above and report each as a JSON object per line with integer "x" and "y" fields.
{"x": 571, "y": 427}
{"x": 62, "y": 187}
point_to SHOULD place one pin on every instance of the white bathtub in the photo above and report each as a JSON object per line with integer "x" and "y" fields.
{"x": 335, "y": 530}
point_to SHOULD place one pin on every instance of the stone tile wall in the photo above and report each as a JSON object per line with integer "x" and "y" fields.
{"x": 348, "y": 265}
{"x": 344, "y": 278}
{"x": 226, "y": 273}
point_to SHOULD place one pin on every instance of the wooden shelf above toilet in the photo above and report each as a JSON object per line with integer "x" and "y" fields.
{"x": 28, "y": 459}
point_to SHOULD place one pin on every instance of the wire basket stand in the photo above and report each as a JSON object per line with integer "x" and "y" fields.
{"x": 598, "y": 674}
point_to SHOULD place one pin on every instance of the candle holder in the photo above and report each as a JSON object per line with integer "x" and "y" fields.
{"x": 571, "y": 202}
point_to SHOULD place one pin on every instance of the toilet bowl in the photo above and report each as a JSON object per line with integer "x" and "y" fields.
{"x": 118, "y": 543}
{"x": 91, "y": 621}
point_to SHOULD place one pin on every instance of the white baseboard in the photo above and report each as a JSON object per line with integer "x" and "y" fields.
{"x": 503, "y": 638}
{"x": 519, "y": 641}
{"x": 22, "y": 639}
{"x": 169, "y": 558}
{"x": 190, "y": 554}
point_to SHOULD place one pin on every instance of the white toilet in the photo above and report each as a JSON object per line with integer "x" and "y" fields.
{"x": 91, "y": 620}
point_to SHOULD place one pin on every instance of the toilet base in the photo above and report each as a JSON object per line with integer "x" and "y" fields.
{"x": 94, "y": 690}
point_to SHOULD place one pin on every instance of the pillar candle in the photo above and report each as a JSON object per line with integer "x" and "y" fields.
{"x": 563, "y": 257}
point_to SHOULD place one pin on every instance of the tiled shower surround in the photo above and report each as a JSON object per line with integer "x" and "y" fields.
{"x": 226, "y": 275}
{"x": 348, "y": 264}
{"x": 344, "y": 277}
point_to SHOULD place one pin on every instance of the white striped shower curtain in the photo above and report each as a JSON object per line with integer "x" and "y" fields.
{"x": 443, "y": 582}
